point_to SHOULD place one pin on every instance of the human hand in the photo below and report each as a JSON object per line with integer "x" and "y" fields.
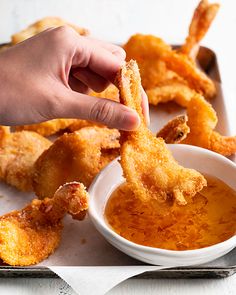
{"x": 48, "y": 76}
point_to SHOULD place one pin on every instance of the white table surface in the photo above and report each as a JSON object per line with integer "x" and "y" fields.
{"x": 116, "y": 20}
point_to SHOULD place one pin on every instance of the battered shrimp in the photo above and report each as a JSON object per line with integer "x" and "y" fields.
{"x": 30, "y": 235}
{"x": 202, "y": 120}
{"x": 18, "y": 153}
{"x": 148, "y": 166}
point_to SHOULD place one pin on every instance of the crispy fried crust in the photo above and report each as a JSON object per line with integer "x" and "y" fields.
{"x": 41, "y": 25}
{"x": 174, "y": 89}
{"x": 159, "y": 63}
{"x": 203, "y": 16}
{"x": 148, "y": 166}
{"x": 175, "y": 130}
{"x": 147, "y": 51}
{"x": 196, "y": 79}
{"x": 30, "y": 235}
{"x": 49, "y": 127}
{"x": 104, "y": 137}
{"x": 202, "y": 121}
{"x": 77, "y": 156}
{"x": 4, "y": 133}
{"x": 79, "y": 124}
{"x": 111, "y": 92}
{"x": 18, "y": 152}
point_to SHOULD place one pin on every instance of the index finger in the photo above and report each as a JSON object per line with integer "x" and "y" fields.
{"x": 113, "y": 48}
{"x": 97, "y": 58}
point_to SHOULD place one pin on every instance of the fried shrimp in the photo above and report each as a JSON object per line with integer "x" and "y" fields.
{"x": 18, "y": 152}
{"x": 49, "y": 127}
{"x": 175, "y": 130}
{"x": 148, "y": 166}
{"x": 77, "y": 156}
{"x": 159, "y": 63}
{"x": 147, "y": 50}
{"x": 173, "y": 75}
{"x": 174, "y": 89}
{"x": 111, "y": 92}
{"x": 202, "y": 18}
{"x": 102, "y": 136}
{"x": 79, "y": 124}
{"x": 184, "y": 67}
{"x": 202, "y": 120}
{"x": 30, "y": 235}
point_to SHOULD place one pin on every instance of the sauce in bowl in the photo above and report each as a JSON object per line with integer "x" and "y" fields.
{"x": 207, "y": 219}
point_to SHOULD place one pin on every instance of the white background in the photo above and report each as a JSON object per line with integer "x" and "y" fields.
{"x": 116, "y": 20}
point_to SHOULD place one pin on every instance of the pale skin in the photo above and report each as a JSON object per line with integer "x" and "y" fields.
{"x": 48, "y": 76}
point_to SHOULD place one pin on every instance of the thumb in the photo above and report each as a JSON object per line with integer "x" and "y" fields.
{"x": 105, "y": 111}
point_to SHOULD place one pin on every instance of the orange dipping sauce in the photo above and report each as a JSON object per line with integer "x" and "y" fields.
{"x": 208, "y": 218}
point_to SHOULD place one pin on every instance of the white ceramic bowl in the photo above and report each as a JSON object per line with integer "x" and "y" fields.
{"x": 189, "y": 156}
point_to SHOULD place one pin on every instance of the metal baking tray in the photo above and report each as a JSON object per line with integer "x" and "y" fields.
{"x": 220, "y": 268}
